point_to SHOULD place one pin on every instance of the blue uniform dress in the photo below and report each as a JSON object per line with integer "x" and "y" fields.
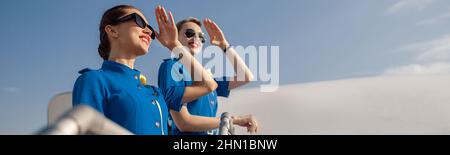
{"x": 116, "y": 91}
{"x": 173, "y": 78}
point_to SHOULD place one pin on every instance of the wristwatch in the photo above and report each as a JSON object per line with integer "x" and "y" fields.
{"x": 225, "y": 50}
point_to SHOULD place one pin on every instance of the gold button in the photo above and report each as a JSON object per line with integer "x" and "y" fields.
{"x": 143, "y": 79}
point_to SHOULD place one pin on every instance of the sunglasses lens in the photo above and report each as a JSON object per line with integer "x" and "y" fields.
{"x": 190, "y": 33}
{"x": 153, "y": 36}
{"x": 140, "y": 22}
{"x": 202, "y": 38}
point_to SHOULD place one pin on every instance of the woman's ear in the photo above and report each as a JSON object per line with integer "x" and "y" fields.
{"x": 111, "y": 31}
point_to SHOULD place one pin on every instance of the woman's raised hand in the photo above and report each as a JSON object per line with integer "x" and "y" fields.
{"x": 215, "y": 34}
{"x": 168, "y": 33}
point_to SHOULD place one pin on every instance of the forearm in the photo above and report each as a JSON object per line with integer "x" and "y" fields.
{"x": 198, "y": 73}
{"x": 243, "y": 73}
{"x": 200, "y": 123}
{"x": 192, "y": 123}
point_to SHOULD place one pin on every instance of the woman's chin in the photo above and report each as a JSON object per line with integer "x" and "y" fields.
{"x": 143, "y": 49}
{"x": 142, "y": 52}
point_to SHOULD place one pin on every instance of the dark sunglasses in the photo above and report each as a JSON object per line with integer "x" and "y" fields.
{"x": 138, "y": 20}
{"x": 191, "y": 33}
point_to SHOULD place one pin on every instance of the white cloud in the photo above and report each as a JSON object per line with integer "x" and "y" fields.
{"x": 409, "y": 4}
{"x": 420, "y": 69}
{"x": 371, "y": 105}
{"x": 11, "y": 90}
{"x": 430, "y": 51}
{"x": 434, "y": 20}
{"x": 430, "y": 57}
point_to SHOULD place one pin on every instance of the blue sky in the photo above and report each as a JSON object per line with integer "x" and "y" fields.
{"x": 44, "y": 43}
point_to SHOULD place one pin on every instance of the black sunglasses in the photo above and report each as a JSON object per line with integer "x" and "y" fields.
{"x": 138, "y": 20}
{"x": 191, "y": 33}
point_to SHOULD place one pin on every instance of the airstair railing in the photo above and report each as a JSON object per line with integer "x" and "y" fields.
{"x": 226, "y": 124}
{"x": 83, "y": 119}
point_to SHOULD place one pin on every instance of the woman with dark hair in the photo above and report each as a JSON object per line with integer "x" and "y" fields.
{"x": 117, "y": 89}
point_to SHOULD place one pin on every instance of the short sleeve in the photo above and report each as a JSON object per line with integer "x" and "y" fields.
{"x": 88, "y": 90}
{"x": 172, "y": 88}
{"x": 222, "y": 88}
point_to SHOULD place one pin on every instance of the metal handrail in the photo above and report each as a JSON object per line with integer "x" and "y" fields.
{"x": 83, "y": 119}
{"x": 226, "y": 124}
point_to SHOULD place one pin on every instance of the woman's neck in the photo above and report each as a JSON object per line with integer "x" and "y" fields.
{"x": 124, "y": 61}
{"x": 121, "y": 57}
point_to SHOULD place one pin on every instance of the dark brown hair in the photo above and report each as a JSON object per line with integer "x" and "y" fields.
{"x": 110, "y": 15}
{"x": 190, "y": 19}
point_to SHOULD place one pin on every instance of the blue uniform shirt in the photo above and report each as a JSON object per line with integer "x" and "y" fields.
{"x": 173, "y": 78}
{"x": 116, "y": 91}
